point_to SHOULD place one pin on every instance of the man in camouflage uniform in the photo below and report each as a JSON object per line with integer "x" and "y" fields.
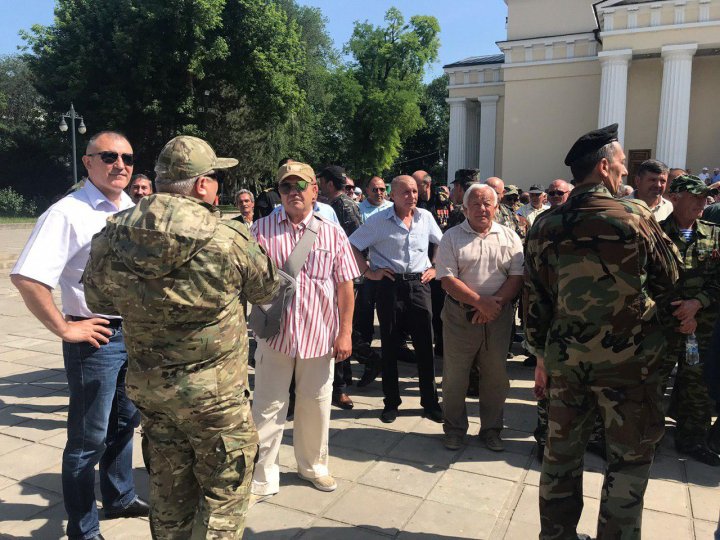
{"x": 177, "y": 275}
{"x": 696, "y": 300}
{"x": 505, "y": 215}
{"x": 598, "y": 270}
{"x": 463, "y": 179}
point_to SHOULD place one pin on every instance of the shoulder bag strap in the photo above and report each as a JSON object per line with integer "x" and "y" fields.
{"x": 299, "y": 254}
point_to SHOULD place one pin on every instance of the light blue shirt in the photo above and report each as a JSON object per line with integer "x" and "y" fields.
{"x": 322, "y": 209}
{"x": 368, "y": 209}
{"x": 391, "y": 245}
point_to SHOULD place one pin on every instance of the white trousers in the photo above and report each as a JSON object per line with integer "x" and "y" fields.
{"x": 313, "y": 396}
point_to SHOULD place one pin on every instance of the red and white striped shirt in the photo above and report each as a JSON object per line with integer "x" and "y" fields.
{"x": 310, "y": 323}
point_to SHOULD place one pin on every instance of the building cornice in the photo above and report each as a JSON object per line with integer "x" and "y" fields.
{"x": 551, "y": 62}
{"x": 664, "y": 28}
{"x": 545, "y": 40}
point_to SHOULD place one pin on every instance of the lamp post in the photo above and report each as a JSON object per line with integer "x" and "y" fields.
{"x": 71, "y": 114}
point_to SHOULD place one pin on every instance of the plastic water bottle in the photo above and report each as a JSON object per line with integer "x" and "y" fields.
{"x": 692, "y": 351}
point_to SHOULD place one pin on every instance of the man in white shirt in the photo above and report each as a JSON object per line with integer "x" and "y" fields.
{"x": 93, "y": 345}
{"x": 480, "y": 265}
{"x": 535, "y": 207}
{"x": 704, "y": 175}
{"x": 650, "y": 183}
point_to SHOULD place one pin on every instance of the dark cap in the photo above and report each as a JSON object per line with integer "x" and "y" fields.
{"x": 591, "y": 142}
{"x": 465, "y": 177}
{"x": 691, "y": 184}
{"x": 333, "y": 172}
{"x": 536, "y": 188}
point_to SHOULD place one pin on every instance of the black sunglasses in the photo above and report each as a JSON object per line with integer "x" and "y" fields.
{"x": 557, "y": 193}
{"x": 349, "y": 188}
{"x": 378, "y": 190}
{"x": 111, "y": 157}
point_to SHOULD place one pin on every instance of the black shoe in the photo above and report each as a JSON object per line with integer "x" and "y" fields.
{"x": 433, "y": 413}
{"x": 530, "y": 361}
{"x": 369, "y": 375}
{"x": 343, "y": 401}
{"x": 97, "y": 537}
{"x": 388, "y": 416}
{"x": 714, "y": 437}
{"x": 701, "y": 453}
{"x": 137, "y": 508}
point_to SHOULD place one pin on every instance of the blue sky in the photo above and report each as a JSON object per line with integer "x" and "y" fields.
{"x": 467, "y": 27}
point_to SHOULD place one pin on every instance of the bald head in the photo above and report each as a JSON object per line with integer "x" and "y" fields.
{"x": 404, "y": 193}
{"x": 558, "y": 192}
{"x": 497, "y": 184}
{"x": 424, "y": 182}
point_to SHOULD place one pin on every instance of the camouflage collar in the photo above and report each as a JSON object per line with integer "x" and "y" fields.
{"x": 702, "y": 228}
{"x": 598, "y": 189}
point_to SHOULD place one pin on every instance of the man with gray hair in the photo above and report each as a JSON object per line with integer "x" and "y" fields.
{"x": 245, "y": 202}
{"x": 480, "y": 265}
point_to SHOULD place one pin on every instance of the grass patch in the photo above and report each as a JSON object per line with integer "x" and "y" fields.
{"x": 4, "y": 219}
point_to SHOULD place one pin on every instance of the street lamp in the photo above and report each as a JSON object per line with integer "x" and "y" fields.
{"x": 81, "y": 129}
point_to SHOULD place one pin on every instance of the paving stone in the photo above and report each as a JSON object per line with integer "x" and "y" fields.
{"x": 10, "y": 444}
{"x": 446, "y": 520}
{"x": 475, "y": 492}
{"x": 300, "y": 495}
{"x": 527, "y": 511}
{"x": 701, "y": 474}
{"x": 706, "y": 529}
{"x": 28, "y": 461}
{"x": 506, "y": 465}
{"x": 267, "y": 521}
{"x": 5, "y": 482}
{"x": 660, "y": 525}
{"x": 424, "y": 449}
{"x": 126, "y": 529}
{"x": 374, "y": 508}
{"x": 705, "y": 503}
{"x": 667, "y": 496}
{"x": 10, "y": 369}
{"x": 22, "y": 501}
{"x": 403, "y": 477}
{"x": 406, "y": 420}
{"x": 667, "y": 468}
{"x": 325, "y": 529}
{"x": 349, "y": 464}
{"x": 365, "y": 438}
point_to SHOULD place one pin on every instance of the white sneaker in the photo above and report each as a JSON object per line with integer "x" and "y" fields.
{"x": 323, "y": 483}
{"x": 255, "y": 499}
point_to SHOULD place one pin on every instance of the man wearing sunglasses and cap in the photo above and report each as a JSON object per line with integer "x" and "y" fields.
{"x": 93, "y": 345}
{"x": 178, "y": 275}
{"x": 315, "y": 332}
{"x": 696, "y": 301}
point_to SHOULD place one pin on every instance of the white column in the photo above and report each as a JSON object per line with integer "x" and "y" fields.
{"x": 674, "y": 119}
{"x": 458, "y": 134}
{"x": 613, "y": 89}
{"x": 488, "y": 121}
{"x": 472, "y": 141}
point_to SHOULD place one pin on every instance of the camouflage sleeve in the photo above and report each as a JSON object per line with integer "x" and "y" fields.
{"x": 538, "y": 303}
{"x": 709, "y": 293}
{"x": 260, "y": 280}
{"x": 662, "y": 269}
{"x": 95, "y": 276}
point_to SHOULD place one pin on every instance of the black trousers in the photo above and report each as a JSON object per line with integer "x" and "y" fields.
{"x": 437, "y": 293}
{"x": 406, "y": 304}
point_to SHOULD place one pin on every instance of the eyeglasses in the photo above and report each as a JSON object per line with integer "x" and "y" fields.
{"x": 286, "y": 187}
{"x": 556, "y": 193}
{"x": 349, "y": 188}
{"x": 378, "y": 190}
{"x": 111, "y": 157}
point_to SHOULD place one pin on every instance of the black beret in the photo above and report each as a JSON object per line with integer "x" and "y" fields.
{"x": 591, "y": 142}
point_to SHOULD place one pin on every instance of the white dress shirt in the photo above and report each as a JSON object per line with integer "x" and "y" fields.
{"x": 59, "y": 246}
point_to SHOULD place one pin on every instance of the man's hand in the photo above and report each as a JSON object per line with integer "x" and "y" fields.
{"x": 489, "y": 307}
{"x": 428, "y": 275}
{"x": 540, "y": 379}
{"x": 94, "y": 331}
{"x": 342, "y": 347}
{"x": 380, "y": 273}
{"x": 687, "y": 326}
{"x": 479, "y": 318}
{"x": 686, "y": 309}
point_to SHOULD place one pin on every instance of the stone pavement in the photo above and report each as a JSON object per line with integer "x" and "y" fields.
{"x": 395, "y": 481}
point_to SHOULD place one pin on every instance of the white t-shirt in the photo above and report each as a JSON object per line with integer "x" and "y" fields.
{"x": 59, "y": 246}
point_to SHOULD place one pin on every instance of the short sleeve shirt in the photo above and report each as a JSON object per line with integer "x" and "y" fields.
{"x": 59, "y": 246}
{"x": 481, "y": 263}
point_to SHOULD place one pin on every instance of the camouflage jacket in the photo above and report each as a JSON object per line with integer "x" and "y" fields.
{"x": 597, "y": 269}
{"x": 175, "y": 272}
{"x": 506, "y": 216}
{"x": 347, "y": 212}
{"x": 699, "y": 271}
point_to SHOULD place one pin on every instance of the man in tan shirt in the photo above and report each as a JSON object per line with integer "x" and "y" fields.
{"x": 480, "y": 265}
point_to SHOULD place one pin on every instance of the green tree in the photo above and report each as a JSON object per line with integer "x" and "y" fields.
{"x": 388, "y": 66}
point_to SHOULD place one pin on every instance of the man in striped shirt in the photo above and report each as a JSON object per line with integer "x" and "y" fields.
{"x": 315, "y": 332}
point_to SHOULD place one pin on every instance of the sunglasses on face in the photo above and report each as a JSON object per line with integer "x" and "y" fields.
{"x": 111, "y": 157}
{"x": 286, "y": 187}
{"x": 557, "y": 193}
{"x": 378, "y": 190}
{"x": 349, "y": 188}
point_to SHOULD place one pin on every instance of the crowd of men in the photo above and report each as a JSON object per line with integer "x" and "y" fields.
{"x": 614, "y": 295}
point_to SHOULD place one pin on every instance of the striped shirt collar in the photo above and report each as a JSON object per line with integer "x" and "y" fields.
{"x": 282, "y": 216}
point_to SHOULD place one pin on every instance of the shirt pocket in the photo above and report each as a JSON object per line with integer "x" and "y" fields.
{"x": 319, "y": 264}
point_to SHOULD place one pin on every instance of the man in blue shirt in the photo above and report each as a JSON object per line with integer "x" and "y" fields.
{"x": 398, "y": 239}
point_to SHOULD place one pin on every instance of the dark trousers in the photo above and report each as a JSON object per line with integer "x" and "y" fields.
{"x": 100, "y": 426}
{"x": 406, "y": 304}
{"x": 364, "y": 315}
{"x": 437, "y": 294}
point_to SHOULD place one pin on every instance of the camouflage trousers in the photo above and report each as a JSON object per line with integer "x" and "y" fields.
{"x": 633, "y": 423}
{"x": 201, "y": 468}
{"x": 597, "y": 436}
{"x": 690, "y": 402}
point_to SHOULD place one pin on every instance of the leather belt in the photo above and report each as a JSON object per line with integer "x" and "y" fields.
{"x": 114, "y": 323}
{"x": 415, "y": 276}
{"x": 460, "y": 304}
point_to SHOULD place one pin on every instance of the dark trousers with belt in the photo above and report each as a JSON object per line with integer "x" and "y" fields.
{"x": 406, "y": 303}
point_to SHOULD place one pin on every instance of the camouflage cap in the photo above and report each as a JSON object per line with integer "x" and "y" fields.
{"x": 295, "y": 168}
{"x": 186, "y": 157}
{"x": 691, "y": 184}
{"x": 511, "y": 190}
{"x": 466, "y": 176}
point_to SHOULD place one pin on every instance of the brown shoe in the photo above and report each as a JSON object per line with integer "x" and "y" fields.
{"x": 343, "y": 401}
